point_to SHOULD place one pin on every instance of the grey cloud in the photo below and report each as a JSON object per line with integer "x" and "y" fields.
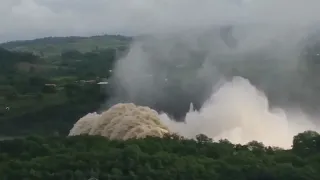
{"x": 25, "y": 19}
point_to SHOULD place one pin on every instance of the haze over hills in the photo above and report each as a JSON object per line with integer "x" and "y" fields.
{"x": 48, "y": 101}
{"x": 228, "y": 89}
{"x": 49, "y": 46}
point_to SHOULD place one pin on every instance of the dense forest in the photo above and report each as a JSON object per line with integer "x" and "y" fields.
{"x": 171, "y": 157}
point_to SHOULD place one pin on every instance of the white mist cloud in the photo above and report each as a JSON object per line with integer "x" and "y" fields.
{"x": 239, "y": 112}
{"x": 269, "y": 33}
{"x": 270, "y": 36}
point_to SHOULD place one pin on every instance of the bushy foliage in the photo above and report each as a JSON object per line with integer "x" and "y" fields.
{"x": 173, "y": 157}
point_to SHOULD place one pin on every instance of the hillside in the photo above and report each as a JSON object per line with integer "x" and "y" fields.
{"x": 46, "y": 94}
{"x": 50, "y": 46}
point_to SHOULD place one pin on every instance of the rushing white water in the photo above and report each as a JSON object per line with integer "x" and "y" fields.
{"x": 122, "y": 121}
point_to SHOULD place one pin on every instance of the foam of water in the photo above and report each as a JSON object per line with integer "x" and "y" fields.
{"x": 122, "y": 121}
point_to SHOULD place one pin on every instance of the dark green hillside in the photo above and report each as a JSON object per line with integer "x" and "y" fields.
{"x": 51, "y": 46}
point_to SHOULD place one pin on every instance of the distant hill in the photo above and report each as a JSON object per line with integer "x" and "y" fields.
{"x": 50, "y": 46}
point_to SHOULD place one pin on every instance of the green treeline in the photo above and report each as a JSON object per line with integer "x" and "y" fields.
{"x": 172, "y": 157}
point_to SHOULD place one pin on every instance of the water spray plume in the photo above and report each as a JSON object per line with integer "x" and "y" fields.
{"x": 122, "y": 121}
{"x": 234, "y": 70}
{"x": 239, "y": 112}
{"x": 236, "y": 111}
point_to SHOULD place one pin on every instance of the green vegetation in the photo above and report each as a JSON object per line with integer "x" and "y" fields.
{"x": 45, "y": 94}
{"x": 84, "y": 157}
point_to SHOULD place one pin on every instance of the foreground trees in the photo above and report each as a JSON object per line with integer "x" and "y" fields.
{"x": 172, "y": 157}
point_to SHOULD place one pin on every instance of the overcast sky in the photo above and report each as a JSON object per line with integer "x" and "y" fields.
{"x": 28, "y": 19}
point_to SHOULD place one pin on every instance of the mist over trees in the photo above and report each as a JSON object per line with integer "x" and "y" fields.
{"x": 24, "y": 75}
{"x": 48, "y": 91}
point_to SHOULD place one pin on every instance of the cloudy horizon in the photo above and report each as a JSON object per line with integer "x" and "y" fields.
{"x": 30, "y": 19}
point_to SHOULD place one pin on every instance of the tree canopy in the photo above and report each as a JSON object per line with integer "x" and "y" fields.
{"x": 172, "y": 157}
